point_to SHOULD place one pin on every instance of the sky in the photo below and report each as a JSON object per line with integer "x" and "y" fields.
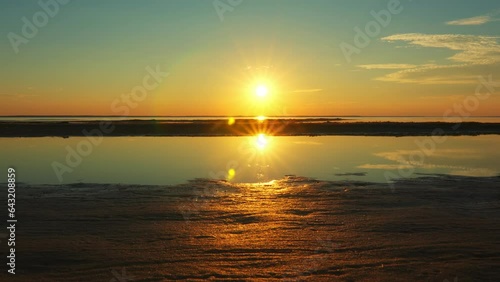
{"x": 196, "y": 58}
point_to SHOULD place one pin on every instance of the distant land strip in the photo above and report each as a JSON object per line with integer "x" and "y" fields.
{"x": 241, "y": 127}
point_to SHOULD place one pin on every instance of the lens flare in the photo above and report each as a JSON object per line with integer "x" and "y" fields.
{"x": 231, "y": 174}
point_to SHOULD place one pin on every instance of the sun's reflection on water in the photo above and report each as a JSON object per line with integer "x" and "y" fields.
{"x": 261, "y": 141}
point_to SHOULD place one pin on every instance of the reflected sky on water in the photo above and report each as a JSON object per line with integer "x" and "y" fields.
{"x": 259, "y": 158}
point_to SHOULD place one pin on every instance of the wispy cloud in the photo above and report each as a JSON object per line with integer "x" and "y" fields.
{"x": 307, "y": 90}
{"x": 384, "y": 166}
{"x": 400, "y": 159}
{"x": 477, "y": 20}
{"x": 307, "y": 143}
{"x": 403, "y": 155}
{"x": 472, "y": 49}
{"x": 473, "y": 54}
{"x": 453, "y": 75}
{"x": 472, "y": 21}
{"x": 453, "y": 170}
{"x": 477, "y": 172}
{"x": 387, "y": 66}
{"x": 351, "y": 174}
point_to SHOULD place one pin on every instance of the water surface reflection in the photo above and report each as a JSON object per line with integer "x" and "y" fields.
{"x": 259, "y": 158}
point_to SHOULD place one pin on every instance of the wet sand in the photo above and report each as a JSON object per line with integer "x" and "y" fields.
{"x": 242, "y": 127}
{"x": 295, "y": 229}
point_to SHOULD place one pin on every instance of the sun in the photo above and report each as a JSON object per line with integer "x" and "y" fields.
{"x": 261, "y": 141}
{"x": 261, "y": 91}
{"x": 261, "y": 118}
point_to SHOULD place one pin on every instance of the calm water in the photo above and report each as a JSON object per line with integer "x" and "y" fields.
{"x": 173, "y": 160}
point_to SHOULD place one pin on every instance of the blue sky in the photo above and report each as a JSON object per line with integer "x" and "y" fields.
{"x": 93, "y": 51}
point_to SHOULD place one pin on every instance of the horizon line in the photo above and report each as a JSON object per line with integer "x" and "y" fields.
{"x": 235, "y": 116}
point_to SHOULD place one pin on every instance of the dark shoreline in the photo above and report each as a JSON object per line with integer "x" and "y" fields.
{"x": 242, "y": 127}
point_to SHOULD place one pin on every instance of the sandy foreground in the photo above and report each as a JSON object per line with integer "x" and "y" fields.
{"x": 434, "y": 228}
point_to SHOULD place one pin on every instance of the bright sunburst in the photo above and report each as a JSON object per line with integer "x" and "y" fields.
{"x": 261, "y": 141}
{"x": 261, "y": 90}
